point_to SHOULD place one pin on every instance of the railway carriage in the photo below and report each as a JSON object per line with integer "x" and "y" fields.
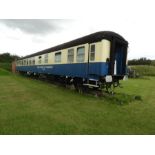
{"x": 96, "y": 60}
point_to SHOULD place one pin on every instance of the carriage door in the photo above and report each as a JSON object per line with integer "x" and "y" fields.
{"x": 119, "y": 59}
{"x": 91, "y": 58}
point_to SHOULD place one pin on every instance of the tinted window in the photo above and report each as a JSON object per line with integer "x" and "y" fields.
{"x": 70, "y": 55}
{"x": 29, "y": 62}
{"x": 39, "y": 60}
{"x": 92, "y": 53}
{"x": 24, "y": 62}
{"x": 58, "y": 57}
{"x": 33, "y": 61}
{"x": 46, "y": 58}
{"x": 80, "y": 54}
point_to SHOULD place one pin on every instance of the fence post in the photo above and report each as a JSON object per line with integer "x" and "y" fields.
{"x": 13, "y": 67}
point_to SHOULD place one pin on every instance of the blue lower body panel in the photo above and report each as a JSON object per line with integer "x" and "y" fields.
{"x": 98, "y": 69}
{"x": 82, "y": 70}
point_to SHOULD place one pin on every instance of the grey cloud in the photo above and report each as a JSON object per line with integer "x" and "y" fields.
{"x": 35, "y": 26}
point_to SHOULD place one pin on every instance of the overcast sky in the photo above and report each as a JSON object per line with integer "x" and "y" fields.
{"x": 134, "y": 22}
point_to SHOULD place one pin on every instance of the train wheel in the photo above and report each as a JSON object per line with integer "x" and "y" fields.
{"x": 78, "y": 87}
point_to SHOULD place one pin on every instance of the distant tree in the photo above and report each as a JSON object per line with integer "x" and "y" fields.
{"x": 7, "y": 58}
{"x": 141, "y": 61}
{"x": 153, "y": 62}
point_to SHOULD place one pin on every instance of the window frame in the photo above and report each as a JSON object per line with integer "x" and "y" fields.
{"x": 92, "y": 52}
{"x": 33, "y": 61}
{"x": 46, "y": 58}
{"x": 77, "y": 55}
{"x": 55, "y": 57}
{"x": 70, "y": 55}
{"x": 30, "y": 62}
{"x": 39, "y": 59}
{"x": 24, "y": 62}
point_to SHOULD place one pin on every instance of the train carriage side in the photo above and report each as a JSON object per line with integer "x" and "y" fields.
{"x": 59, "y": 63}
{"x": 91, "y": 58}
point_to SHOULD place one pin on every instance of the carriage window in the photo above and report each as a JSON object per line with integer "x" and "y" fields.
{"x": 80, "y": 54}
{"x": 29, "y": 62}
{"x": 46, "y": 58}
{"x": 33, "y": 61}
{"x": 39, "y": 60}
{"x": 92, "y": 53}
{"x": 70, "y": 55}
{"x": 58, "y": 57}
{"x": 24, "y": 62}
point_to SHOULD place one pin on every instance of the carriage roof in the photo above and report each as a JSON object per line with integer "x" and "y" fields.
{"x": 98, "y": 36}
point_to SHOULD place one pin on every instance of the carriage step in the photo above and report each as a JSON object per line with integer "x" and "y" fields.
{"x": 91, "y": 85}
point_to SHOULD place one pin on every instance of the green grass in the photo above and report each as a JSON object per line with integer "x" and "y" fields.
{"x": 144, "y": 70}
{"x": 4, "y": 72}
{"x": 6, "y": 66}
{"x": 34, "y": 107}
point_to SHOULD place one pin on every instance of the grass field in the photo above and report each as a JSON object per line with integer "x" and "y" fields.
{"x": 144, "y": 70}
{"x": 34, "y": 107}
{"x": 6, "y": 66}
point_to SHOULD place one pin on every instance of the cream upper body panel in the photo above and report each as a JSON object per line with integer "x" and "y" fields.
{"x": 102, "y": 52}
{"x": 64, "y": 56}
{"x": 106, "y": 49}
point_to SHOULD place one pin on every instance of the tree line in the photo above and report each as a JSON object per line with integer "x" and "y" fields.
{"x": 141, "y": 61}
{"x": 8, "y": 58}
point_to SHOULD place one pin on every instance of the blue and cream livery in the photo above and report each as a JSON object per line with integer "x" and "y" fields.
{"x": 94, "y": 60}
